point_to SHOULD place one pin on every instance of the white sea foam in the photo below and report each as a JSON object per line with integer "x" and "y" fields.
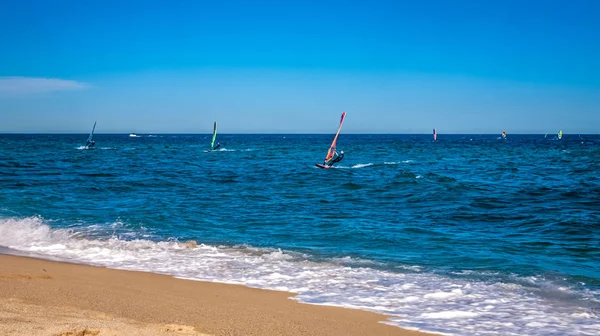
{"x": 449, "y": 314}
{"x": 415, "y": 299}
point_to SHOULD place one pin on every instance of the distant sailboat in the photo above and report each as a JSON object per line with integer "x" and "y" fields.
{"x": 559, "y": 134}
{"x": 90, "y": 143}
{"x": 503, "y": 134}
{"x": 434, "y": 135}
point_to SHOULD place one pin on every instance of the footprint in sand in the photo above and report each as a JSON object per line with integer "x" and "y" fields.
{"x": 84, "y": 332}
{"x": 182, "y": 330}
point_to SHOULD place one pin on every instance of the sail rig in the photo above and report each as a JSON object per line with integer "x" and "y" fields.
{"x": 89, "y": 139}
{"x": 503, "y": 134}
{"x": 331, "y": 151}
{"x": 212, "y": 143}
{"x": 434, "y": 135}
{"x": 559, "y": 134}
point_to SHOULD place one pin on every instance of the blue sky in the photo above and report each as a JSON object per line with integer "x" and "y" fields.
{"x": 294, "y": 66}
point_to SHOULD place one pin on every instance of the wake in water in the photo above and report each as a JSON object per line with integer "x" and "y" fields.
{"x": 370, "y": 164}
{"x": 361, "y": 165}
{"x": 397, "y": 162}
{"x": 103, "y": 148}
{"x": 415, "y": 298}
{"x": 220, "y": 150}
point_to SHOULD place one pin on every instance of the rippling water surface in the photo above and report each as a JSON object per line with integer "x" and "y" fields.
{"x": 469, "y": 235}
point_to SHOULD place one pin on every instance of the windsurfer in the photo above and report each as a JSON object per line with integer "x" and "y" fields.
{"x": 336, "y": 158}
{"x": 89, "y": 144}
{"x": 217, "y": 146}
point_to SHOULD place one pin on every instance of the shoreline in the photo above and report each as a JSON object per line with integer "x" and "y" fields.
{"x": 39, "y": 296}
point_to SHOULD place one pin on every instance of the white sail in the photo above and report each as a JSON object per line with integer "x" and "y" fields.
{"x": 92, "y": 133}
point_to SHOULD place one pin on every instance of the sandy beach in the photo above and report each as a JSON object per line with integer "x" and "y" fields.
{"x": 40, "y": 297}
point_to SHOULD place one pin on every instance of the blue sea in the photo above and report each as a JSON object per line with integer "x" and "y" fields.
{"x": 469, "y": 235}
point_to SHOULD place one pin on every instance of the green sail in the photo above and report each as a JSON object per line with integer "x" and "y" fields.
{"x": 212, "y": 144}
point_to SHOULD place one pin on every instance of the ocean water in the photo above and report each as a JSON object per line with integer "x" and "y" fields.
{"x": 469, "y": 235}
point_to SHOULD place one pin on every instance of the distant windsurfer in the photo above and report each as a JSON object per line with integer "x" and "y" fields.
{"x": 89, "y": 142}
{"x": 217, "y": 146}
{"x": 332, "y": 156}
{"x": 336, "y": 158}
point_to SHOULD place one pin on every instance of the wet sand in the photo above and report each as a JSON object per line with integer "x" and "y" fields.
{"x": 40, "y": 297}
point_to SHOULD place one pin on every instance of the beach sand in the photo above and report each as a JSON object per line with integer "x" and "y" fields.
{"x": 40, "y": 297}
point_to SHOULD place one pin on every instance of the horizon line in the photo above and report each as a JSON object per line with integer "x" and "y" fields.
{"x": 276, "y": 133}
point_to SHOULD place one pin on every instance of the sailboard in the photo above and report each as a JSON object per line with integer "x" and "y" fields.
{"x": 212, "y": 143}
{"x": 434, "y": 135}
{"x": 559, "y": 134}
{"x": 214, "y": 138}
{"x": 89, "y": 139}
{"x": 332, "y": 148}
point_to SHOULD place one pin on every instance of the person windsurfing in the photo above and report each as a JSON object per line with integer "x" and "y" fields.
{"x": 332, "y": 154}
{"x": 214, "y": 138}
{"x": 336, "y": 158}
{"x": 90, "y": 143}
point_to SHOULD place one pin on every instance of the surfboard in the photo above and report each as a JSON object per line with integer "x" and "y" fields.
{"x": 322, "y": 166}
{"x": 331, "y": 151}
